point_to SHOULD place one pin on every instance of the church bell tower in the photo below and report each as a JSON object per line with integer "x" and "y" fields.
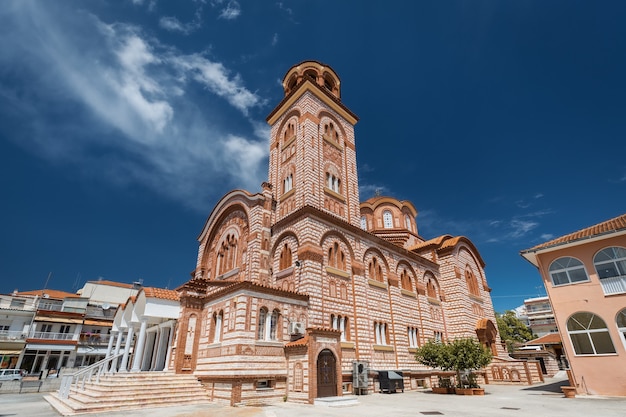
{"x": 312, "y": 147}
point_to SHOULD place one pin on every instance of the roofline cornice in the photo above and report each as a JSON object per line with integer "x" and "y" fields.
{"x": 328, "y": 99}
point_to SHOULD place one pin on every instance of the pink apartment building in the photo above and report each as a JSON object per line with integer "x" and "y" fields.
{"x": 303, "y": 290}
{"x": 585, "y": 276}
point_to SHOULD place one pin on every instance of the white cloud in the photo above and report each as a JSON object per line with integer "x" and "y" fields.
{"x": 122, "y": 108}
{"x": 547, "y": 236}
{"x": 231, "y": 11}
{"x": 521, "y": 227}
{"x": 215, "y": 77}
{"x": 367, "y": 191}
{"x": 275, "y": 39}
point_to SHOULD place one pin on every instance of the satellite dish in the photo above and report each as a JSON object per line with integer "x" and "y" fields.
{"x": 106, "y": 306}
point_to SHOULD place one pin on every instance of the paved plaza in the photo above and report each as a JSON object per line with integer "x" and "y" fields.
{"x": 499, "y": 400}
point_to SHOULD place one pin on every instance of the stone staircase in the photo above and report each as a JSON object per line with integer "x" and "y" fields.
{"x": 131, "y": 391}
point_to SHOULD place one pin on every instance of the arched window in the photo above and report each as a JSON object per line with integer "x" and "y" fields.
{"x": 285, "y": 258}
{"x": 331, "y": 133}
{"x": 339, "y": 322}
{"x": 567, "y": 270}
{"x": 589, "y": 334}
{"x": 268, "y": 324}
{"x": 381, "y": 333}
{"x": 288, "y": 183}
{"x": 218, "y": 319}
{"x": 412, "y": 334}
{"x": 610, "y": 264}
{"x": 387, "y": 219}
{"x": 407, "y": 222}
{"x": 290, "y": 131}
{"x": 336, "y": 257}
{"x": 227, "y": 254}
{"x": 405, "y": 280}
{"x": 621, "y": 324}
{"x": 363, "y": 223}
{"x": 274, "y": 325}
{"x": 261, "y": 326}
{"x": 375, "y": 270}
{"x": 431, "y": 288}
{"x": 472, "y": 283}
{"x": 333, "y": 182}
{"x": 298, "y": 377}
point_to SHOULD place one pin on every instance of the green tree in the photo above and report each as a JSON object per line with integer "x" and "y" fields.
{"x": 512, "y": 330}
{"x": 459, "y": 355}
{"x": 468, "y": 355}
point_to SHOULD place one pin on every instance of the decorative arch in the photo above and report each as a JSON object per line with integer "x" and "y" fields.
{"x": 325, "y": 114}
{"x": 432, "y": 285}
{"x": 293, "y": 115}
{"x": 332, "y": 234}
{"x": 487, "y": 332}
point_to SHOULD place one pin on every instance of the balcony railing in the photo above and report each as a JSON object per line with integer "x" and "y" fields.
{"x": 49, "y": 306}
{"x": 12, "y": 335}
{"x": 94, "y": 339}
{"x": 52, "y": 336}
{"x": 614, "y": 285}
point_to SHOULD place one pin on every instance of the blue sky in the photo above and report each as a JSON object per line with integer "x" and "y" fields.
{"x": 123, "y": 122}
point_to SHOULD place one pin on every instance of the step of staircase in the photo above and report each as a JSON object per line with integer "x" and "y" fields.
{"x": 129, "y": 391}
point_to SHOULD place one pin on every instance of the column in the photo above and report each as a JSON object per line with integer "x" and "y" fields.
{"x": 110, "y": 345}
{"x": 118, "y": 344}
{"x": 129, "y": 341}
{"x": 141, "y": 340}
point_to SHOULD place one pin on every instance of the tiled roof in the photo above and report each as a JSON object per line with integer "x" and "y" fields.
{"x": 549, "y": 339}
{"x": 55, "y": 294}
{"x": 300, "y": 342}
{"x": 609, "y": 226}
{"x": 161, "y": 293}
{"x": 430, "y": 244}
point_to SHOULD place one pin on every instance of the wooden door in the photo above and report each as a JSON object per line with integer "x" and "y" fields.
{"x": 326, "y": 374}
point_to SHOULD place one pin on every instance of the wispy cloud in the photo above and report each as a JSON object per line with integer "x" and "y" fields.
{"x": 367, "y": 191}
{"x": 275, "y": 39}
{"x": 231, "y": 11}
{"x": 119, "y": 107}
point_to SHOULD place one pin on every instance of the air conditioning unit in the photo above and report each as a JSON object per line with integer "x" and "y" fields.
{"x": 360, "y": 375}
{"x": 296, "y": 327}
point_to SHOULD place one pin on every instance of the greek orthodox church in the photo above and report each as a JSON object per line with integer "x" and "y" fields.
{"x": 303, "y": 290}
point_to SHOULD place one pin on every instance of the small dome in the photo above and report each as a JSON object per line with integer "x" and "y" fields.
{"x": 316, "y": 72}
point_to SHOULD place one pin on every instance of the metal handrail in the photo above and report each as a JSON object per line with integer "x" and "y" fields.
{"x": 78, "y": 379}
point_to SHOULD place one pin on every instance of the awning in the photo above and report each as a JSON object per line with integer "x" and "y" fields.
{"x": 99, "y": 323}
{"x": 58, "y": 320}
{"x": 10, "y": 352}
{"x": 34, "y": 346}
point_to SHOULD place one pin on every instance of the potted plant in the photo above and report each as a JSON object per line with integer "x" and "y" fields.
{"x": 468, "y": 355}
{"x": 438, "y": 356}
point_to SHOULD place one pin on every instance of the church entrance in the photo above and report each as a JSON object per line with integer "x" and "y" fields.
{"x": 326, "y": 374}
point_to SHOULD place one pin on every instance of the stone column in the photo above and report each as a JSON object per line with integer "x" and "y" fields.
{"x": 110, "y": 345}
{"x": 141, "y": 340}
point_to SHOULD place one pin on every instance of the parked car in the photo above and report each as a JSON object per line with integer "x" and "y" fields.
{"x": 11, "y": 375}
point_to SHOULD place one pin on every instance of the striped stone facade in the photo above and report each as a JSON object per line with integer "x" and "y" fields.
{"x": 294, "y": 284}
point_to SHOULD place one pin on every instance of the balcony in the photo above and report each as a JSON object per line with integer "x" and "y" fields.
{"x": 12, "y": 335}
{"x": 614, "y": 285}
{"x": 52, "y": 336}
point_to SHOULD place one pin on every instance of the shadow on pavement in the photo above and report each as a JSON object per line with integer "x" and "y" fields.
{"x": 553, "y": 387}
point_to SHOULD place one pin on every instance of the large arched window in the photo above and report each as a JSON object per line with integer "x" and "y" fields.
{"x": 363, "y": 223}
{"x": 567, "y": 270}
{"x": 387, "y": 220}
{"x": 261, "y": 326}
{"x": 339, "y": 322}
{"x": 610, "y": 264}
{"x": 589, "y": 334}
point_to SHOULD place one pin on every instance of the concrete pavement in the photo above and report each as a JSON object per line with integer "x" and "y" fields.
{"x": 499, "y": 400}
